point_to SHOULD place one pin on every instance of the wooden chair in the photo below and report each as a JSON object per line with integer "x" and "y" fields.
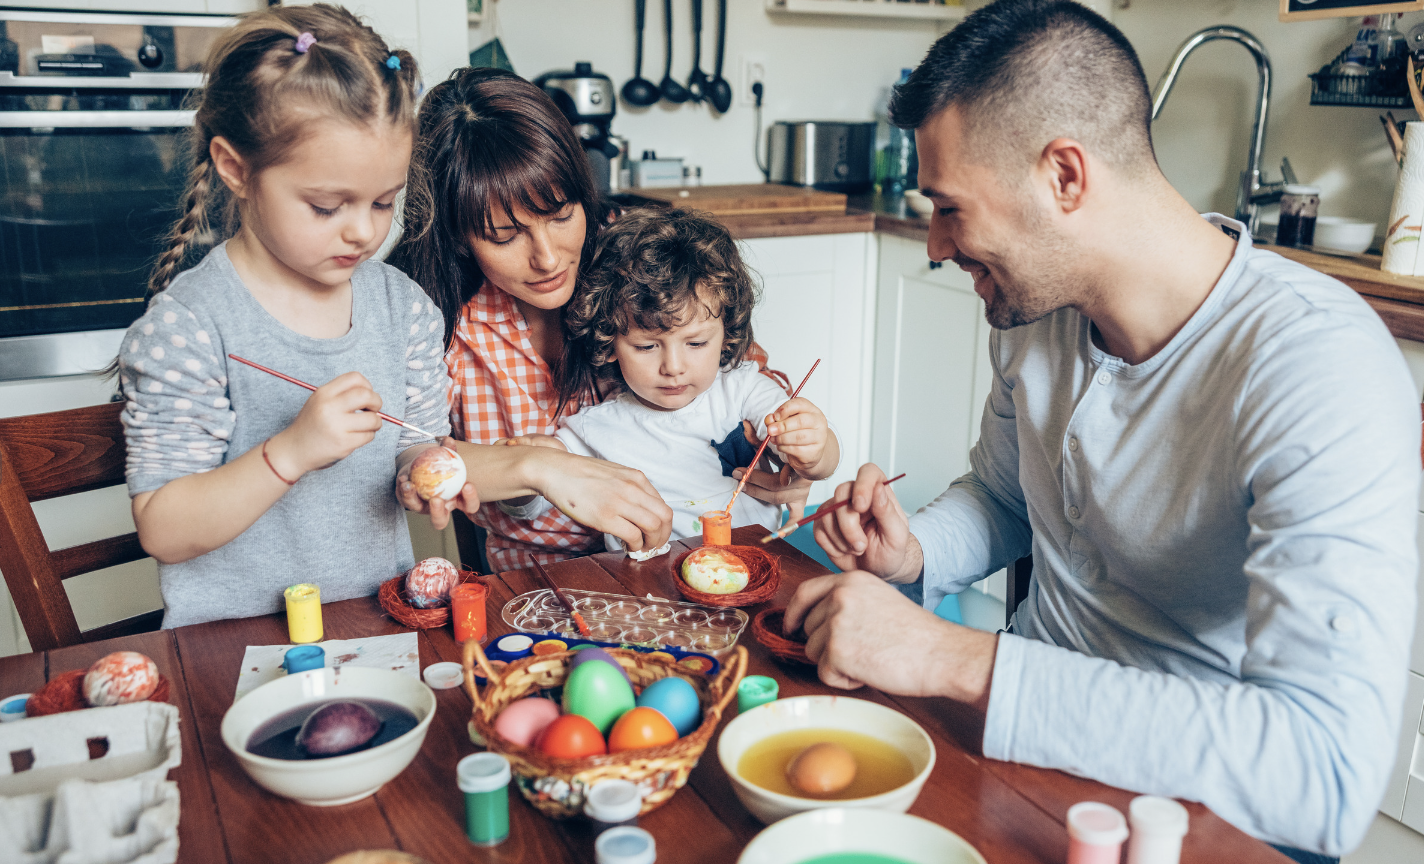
{"x": 46, "y": 456}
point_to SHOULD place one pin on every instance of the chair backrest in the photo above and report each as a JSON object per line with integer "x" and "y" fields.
{"x": 46, "y": 456}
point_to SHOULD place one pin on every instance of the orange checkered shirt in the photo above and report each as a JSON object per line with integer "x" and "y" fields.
{"x": 503, "y": 388}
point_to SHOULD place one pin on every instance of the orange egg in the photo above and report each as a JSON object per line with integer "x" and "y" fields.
{"x": 571, "y": 737}
{"x": 639, "y": 728}
{"x": 821, "y": 769}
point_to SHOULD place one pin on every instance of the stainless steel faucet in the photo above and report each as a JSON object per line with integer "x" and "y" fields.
{"x": 1252, "y": 192}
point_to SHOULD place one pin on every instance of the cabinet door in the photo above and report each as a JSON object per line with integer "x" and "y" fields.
{"x": 932, "y": 371}
{"x": 817, "y": 302}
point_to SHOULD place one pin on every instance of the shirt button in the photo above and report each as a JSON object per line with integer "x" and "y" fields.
{"x": 1073, "y": 444}
{"x": 1342, "y": 624}
{"x": 1104, "y": 378}
{"x": 1074, "y": 514}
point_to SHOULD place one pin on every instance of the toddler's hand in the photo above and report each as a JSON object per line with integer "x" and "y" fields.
{"x": 468, "y": 501}
{"x": 532, "y": 441}
{"x": 336, "y": 420}
{"x": 800, "y": 432}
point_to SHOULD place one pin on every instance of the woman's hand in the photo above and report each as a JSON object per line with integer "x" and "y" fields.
{"x": 439, "y": 509}
{"x": 532, "y": 441}
{"x": 609, "y": 498}
{"x": 336, "y": 420}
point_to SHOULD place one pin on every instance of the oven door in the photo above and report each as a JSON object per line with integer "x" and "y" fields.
{"x": 86, "y": 199}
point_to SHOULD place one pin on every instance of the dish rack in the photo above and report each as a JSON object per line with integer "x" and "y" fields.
{"x": 624, "y": 619}
{"x": 1379, "y": 88}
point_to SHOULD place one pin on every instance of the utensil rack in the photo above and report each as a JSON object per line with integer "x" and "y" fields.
{"x": 924, "y": 9}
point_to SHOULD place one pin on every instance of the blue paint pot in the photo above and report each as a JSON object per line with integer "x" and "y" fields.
{"x": 303, "y": 658}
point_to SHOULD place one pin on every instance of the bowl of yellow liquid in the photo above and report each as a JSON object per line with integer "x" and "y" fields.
{"x": 844, "y": 836}
{"x": 893, "y": 755}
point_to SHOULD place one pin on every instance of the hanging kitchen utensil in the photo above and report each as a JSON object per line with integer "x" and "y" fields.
{"x": 639, "y": 91}
{"x": 672, "y": 91}
{"x": 697, "y": 80}
{"x": 720, "y": 92}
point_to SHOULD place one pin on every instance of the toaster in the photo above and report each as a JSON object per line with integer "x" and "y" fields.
{"x": 833, "y": 155}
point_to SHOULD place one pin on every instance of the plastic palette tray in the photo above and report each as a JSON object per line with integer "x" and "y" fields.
{"x": 690, "y": 661}
{"x": 621, "y": 619}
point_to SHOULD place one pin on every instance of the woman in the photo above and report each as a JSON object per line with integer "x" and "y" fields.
{"x": 500, "y": 212}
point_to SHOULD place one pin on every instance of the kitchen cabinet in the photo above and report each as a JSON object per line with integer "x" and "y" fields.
{"x": 187, "y": 7}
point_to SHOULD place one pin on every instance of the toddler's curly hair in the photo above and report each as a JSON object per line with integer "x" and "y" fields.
{"x": 648, "y": 270}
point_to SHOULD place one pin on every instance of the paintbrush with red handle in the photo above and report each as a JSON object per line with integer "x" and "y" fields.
{"x": 784, "y": 530}
{"x": 290, "y": 380}
{"x": 762, "y": 449}
{"x": 578, "y": 619}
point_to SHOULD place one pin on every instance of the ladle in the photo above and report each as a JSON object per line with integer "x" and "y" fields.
{"x": 719, "y": 91}
{"x": 639, "y": 91}
{"x": 672, "y": 91}
{"x": 697, "y": 80}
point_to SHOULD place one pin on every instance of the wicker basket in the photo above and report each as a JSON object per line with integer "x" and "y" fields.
{"x": 762, "y": 585}
{"x": 393, "y": 598}
{"x": 766, "y": 627}
{"x": 557, "y": 786}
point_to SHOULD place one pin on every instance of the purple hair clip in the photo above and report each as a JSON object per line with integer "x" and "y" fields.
{"x": 305, "y": 41}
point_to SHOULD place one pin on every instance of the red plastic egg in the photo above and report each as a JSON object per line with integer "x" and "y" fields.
{"x": 120, "y": 678}
{"x": 571, "y": 737}
{"x": 428, "y": 583}
{"x": 640, "y": 728}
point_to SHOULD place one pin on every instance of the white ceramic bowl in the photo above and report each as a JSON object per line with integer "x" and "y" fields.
{"x": 338, "y": 779}
{"x": 917, "y": 202}
{"x": 1343, "y": 235}
{"x": 828, "y": 832}
{"x": 824, "y": 712}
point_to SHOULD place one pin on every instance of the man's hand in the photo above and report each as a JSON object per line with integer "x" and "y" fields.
{"x": 871, "y": 532}
{"x": 439, "y": 509}
{"x": 862, "y": 631}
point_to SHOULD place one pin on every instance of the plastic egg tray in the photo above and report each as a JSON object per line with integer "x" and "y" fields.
{"x": 621, "y": 619}
{"x": 691, "y": 661}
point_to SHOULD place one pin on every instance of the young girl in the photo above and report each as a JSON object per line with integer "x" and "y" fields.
{"x": 243, "y": 484}
{"x": 658, "y": 336}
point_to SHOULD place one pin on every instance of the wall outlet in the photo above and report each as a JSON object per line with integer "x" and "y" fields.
{"x": 753, "y": 72}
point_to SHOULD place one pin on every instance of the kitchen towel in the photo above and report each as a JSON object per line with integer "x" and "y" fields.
{"x": 1406, "y": 215}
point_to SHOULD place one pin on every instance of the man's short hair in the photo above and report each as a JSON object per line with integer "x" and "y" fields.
{"x": 1024, "y": 72}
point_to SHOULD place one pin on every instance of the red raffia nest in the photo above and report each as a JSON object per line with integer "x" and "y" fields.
{"x": 762, "y": 584}
{"x": 393, "y": 598}
{"x": 766, "y": 627}
{"x": 65, "y": 692}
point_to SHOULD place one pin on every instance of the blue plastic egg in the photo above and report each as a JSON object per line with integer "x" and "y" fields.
{"x": 593, "y": 652}
{"x": 676, "y": 700}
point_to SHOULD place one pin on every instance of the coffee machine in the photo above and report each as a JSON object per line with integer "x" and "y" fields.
{"x": 587, "y": 99}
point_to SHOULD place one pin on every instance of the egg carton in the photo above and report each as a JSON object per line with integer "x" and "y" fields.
{"x": 626, "y": 620}
{"x": 90, "y": 787}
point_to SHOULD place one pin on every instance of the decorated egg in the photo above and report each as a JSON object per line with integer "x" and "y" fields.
{"x": 522, "y": 721}
{"x": 338, "y": 727}
{"x": 676, "y": 700}
{"x": 119, "y": 678}
{"x": 428, "y": 583}
{"x": 639, "y": 728}
{"x": 821, "y": 769}
{"x": 438, "y": 472}
{"x": 593, "y": 652}
{"x": 599, "y": 693}
{"x": 571, "y": 737}
{"x": 713, "y": 570}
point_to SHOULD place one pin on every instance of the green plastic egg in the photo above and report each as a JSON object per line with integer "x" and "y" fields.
{"x": 599, "y": 693}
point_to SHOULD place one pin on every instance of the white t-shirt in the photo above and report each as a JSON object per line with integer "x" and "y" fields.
{"x": 674, "y": 449}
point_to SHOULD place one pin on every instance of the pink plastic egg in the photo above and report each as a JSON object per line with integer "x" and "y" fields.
{"x": 522, "y": 721}
{"x": 120, "y": 678}
{"x": 428, "y": 583}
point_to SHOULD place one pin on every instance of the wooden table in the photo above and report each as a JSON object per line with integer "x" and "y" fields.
{"x": 1011, "y": 813}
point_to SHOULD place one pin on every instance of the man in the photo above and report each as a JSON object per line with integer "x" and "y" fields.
{"x": 1211, "y": 452}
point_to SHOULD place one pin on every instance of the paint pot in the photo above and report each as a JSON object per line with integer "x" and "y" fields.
{"x": 612, "y": 804}
{"x": 1095, "y": 833}
{"x": 515, "y": 645}
{"x": 626, "y": 845}
{"x": 716, "y": 528}
{"x": 13, "y": 707}
{"x": 304, "y": 613}
{"x": 444, "y": 676}
{"x": 467, "y": 602}
{"x": 756, "y": 690}
{"x": 303, "y": 658}
{"x": 484, "y": 778}
{"x": 1158, "y": 826}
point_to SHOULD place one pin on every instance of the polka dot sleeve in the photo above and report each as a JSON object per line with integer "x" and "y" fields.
{"x": 427, "y": 384}
{"x": 177, "y": 417}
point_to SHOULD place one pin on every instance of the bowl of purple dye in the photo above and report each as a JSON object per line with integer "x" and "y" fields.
{"x": 329, "y": 736}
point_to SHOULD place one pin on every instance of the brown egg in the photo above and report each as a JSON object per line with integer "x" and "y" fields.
{"x": 821, "y": 769}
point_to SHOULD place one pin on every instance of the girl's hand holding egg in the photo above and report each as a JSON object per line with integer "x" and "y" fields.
{"x": 427, "y": 483}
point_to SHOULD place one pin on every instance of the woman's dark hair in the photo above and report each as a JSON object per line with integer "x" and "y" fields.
{"x": 650, "y": 269}
{"x": 489, "y": 143}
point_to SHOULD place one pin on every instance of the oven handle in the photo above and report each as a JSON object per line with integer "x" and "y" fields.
{"x": 94, "y": 119}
